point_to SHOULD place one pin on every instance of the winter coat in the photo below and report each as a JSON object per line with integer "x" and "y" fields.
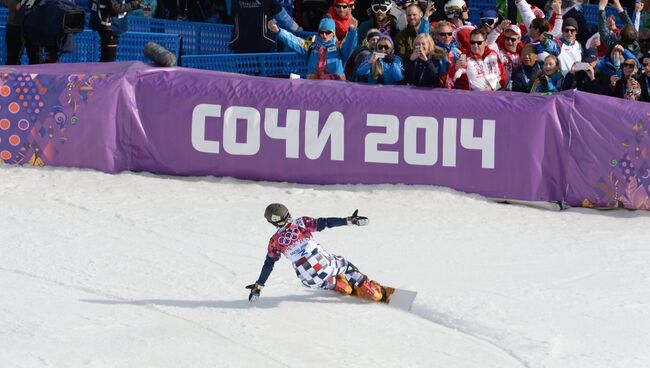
{"x": 483, "y": 70}
{"x": 608, "y": 68}
{"x": 524, "y": 76}
{"x": 430, "y": 73}
{"x": 580, "y": 80}
{"x": 393, "y": 71}
{"x": 250, "y": 33}
{"x": 111, "y": 15}
{"x": 336, "y": 56}
{"x": 545, "y": 85}
{"x": 644, "y": 81}
{"x": 570, "y": 53}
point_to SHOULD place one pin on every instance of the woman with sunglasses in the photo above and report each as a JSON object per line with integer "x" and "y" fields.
{"x": 380, "y": 18}
{"x": 427, "y": 66}
{"x": 628, "y": 87}
{"x": 360, "y": 54}
{"x": 325, "y": 60}
{"x": 382, "y": 66}
{"x": 341, "y": 12}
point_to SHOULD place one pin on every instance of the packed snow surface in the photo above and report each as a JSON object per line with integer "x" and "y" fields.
{"x": 137, "y": 270}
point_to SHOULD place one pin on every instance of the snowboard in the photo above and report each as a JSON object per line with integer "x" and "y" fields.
{"x": 397, "y": 298}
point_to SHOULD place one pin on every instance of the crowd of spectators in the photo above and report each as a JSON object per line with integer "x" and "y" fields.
{"x": 552, "y": 48}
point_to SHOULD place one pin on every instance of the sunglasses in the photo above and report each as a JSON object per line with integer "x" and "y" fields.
{"x": 629, "y": 65}
{"x": 644, "y": 39}
{"x": 383, "y": 47}
{"x": 511, "y": 39}
{"x": 341, "y": 6}
{"x": 448, "y": 34}
{"x": 488, "y": 21}
{"x": 569, "y": 30}
{"x": 645, "y": 65}
{"x": 478, "y": 43}
{"x": 379, "y": 8}
{"x": 325, "y": 33}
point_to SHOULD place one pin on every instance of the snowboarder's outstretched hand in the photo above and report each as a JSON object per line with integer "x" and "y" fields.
{"x": 255, "y": 292}
{"x": 355, "y": 219}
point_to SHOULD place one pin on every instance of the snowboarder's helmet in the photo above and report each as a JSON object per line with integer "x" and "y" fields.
{"x": 277, "y": 214}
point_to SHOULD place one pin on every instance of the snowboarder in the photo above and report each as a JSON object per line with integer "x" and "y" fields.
{"x": 314, "y": 266}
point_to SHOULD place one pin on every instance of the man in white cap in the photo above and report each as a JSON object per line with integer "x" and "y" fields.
{"x": 505, "y": 39}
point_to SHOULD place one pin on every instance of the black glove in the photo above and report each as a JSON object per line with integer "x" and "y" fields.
{"x": 255, "y": 292}
{"x": 388, "y": 59}
{"x": 358, "y": 220}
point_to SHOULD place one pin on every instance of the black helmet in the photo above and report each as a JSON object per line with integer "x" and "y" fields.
{"x": 277, "y": 214}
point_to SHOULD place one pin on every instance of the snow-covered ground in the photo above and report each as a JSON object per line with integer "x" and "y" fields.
{"x": 136, "y": 270}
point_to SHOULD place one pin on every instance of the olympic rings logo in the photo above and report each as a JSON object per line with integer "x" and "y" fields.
{"x": 288, "y": 237}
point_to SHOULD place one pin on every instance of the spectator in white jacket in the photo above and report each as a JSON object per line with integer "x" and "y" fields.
{"x": 571, "y": 50}
{"x": 481, "y": 66}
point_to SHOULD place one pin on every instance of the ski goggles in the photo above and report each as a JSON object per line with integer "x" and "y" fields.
{"x": 380, "y": 8}
{"x": 489, "y": 21}
{"x": 451, "y": 14}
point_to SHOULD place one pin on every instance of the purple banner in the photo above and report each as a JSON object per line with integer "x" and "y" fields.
{"x": 129, "y": 116}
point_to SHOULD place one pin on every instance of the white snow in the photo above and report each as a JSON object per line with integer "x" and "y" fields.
{"x": 136, "y": 270}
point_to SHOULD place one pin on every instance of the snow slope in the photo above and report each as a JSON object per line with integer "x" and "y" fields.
{"x": 136, "y": 270}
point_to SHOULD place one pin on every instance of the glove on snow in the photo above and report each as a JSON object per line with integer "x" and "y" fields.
{"x": 255, "y": 292}
{"x": 358, "y": 220}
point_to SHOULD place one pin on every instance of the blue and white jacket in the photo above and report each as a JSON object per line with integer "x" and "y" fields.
{"x": 336, "y": 56}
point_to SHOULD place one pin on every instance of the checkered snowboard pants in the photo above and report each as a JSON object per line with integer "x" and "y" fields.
{"x": 319, "y": 270}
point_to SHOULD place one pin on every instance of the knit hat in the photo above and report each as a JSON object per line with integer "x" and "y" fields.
{"x": 386, "y": 36}
{"x": 327, "y": 24}
{"x": 570, "y": 22}
{"x": 590, "y": 55}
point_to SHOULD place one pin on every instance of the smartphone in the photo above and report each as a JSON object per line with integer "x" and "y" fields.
{"x": 380, "y": 55}
{"x": 417, "y": 47}
{"x": 582, "y": 66}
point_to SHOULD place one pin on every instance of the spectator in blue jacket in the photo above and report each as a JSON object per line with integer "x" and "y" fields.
{"x": 324, "y": 59}
{"x": 382, "y": 66}
{"x": 108, "y": 18}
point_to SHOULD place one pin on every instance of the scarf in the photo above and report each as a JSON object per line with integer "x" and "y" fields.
{"x": 342, "y": 24}
{"x": 321, "y": 65}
